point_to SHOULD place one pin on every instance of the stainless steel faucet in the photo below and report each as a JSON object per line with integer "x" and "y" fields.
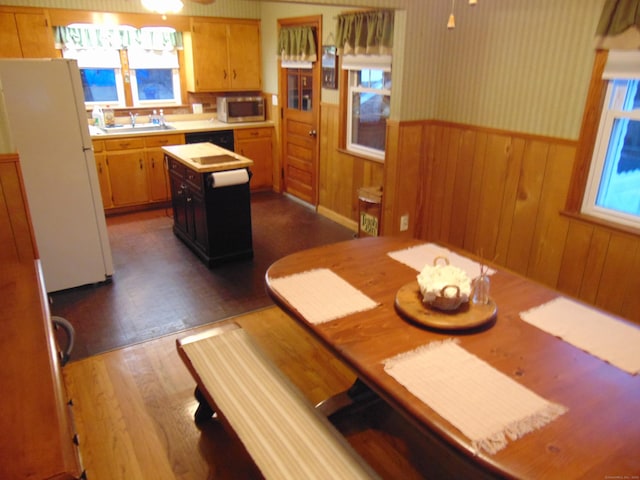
{"x": 133, "y": 118}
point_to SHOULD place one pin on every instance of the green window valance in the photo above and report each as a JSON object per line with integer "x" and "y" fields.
{"x": 619, "y": 25}
{"x": 119, "y": 38}
{"x": 297, "y": 44}
{"x": 365, "y": 33}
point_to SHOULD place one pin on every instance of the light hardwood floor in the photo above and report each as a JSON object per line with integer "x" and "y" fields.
{"x": 134, "y": 409}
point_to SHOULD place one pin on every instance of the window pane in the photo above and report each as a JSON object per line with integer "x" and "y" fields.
{"x": 155, "y": 84}
{"x": 619, "y": 187}
{"x": 368, "y": 119}
{"x": 99, "y": 85}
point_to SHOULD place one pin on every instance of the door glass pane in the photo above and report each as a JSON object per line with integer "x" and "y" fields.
{"x": 293, "y": 94}
{"x": 307, "y": 91}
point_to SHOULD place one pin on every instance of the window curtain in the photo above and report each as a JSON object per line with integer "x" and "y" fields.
{"x": 117, "y": 38}
{"x": 619, "y": 25}
{"x": 297, "y": 44}
{"x": 365, "y": 33}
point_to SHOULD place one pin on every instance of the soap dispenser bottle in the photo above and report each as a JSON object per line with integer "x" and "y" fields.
{"x": 97, "y": 116}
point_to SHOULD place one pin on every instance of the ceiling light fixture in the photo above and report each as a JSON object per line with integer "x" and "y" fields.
{"x": 163, "y": 6}
{"x": 451, "y": 23}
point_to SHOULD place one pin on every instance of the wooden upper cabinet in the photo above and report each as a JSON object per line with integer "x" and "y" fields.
{"x": 26, "y": 35}
{"x": 223, "y": 56}
{"x": 36, "y": 36}
{"x": 244, "y": 57}
{"x": 9, "y": 41}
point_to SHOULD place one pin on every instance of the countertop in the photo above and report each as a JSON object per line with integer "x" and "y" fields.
{"x": 180, "y": 124}
{"x": 195, "y": 156}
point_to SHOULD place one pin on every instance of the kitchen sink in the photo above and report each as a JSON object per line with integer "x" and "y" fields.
{"x": 139, "y": 128}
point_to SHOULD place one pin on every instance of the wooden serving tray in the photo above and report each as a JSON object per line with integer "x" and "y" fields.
{"x": 409, "y": 303}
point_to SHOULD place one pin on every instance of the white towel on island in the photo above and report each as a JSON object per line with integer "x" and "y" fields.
{"x": 486, "y": 405}
{"x": 320, "y": 295}
{"x": 419, "y": 256}
{"x": 595, "y": 332}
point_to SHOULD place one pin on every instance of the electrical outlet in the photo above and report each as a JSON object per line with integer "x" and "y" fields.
{"x": 404, "y": 222}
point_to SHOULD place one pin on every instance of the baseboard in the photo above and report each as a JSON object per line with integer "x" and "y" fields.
{"x": 336, "y": 217}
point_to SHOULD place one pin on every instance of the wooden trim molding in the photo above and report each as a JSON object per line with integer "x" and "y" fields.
{"x": 588, "y": 133}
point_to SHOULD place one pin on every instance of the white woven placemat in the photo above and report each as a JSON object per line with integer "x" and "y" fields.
{"x": 486, "y": 405}
{"x": 590, "y": 330}
{"x": 420, "y": 255}
{"x": 320, "y": 295}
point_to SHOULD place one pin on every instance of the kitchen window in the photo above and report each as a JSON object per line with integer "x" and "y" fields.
{"x": 368, "y": 103}
{"x": 612, "y": 191}
{"x": 154, "y": 76}
{"x": 101, "y": 74}
{"x": 120, "y": 62}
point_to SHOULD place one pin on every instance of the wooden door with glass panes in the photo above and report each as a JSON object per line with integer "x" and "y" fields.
{"x": 300, "y": 91}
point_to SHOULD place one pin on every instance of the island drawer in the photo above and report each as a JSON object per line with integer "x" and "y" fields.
{"x": 175, "y": 167}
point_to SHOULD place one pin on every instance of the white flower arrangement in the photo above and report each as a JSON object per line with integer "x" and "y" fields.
{"x": 433, "y": 278}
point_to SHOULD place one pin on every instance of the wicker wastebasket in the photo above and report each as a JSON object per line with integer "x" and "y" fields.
{"x": 370, "y": 209}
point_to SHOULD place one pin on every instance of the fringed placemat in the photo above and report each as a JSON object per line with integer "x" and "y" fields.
{"x": 486, "y": 405}
{"x": 320, "y": 295}
{"x": 595, "y": 332}
{"x": 420, "y": 255}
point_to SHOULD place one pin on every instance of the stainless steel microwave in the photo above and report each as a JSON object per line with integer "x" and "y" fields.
{"x": 240, "y": 109}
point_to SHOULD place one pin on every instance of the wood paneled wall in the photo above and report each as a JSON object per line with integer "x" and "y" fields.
{"x": 497, "y": 194}
{"x": 341, "y": 174}
{"x": 501, "y": 195}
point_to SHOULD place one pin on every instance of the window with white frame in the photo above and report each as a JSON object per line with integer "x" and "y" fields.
{"x": 368, "y": 103}
{"x": 150, "y": 58}
{"x": 154, "y": 76}
{"x": 613, "y": 187}
{"x": 101, "y": 74}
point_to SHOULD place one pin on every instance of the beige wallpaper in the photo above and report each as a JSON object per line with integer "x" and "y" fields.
{"x": 518, "y": 65}
{"x": 220, "y": 8}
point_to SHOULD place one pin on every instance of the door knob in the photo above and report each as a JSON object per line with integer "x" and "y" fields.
{"x": 312, "y": 133}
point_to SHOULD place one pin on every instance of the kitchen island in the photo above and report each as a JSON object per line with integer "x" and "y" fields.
{"x": 211, "y": 201}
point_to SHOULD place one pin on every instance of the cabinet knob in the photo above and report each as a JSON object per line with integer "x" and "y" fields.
{"x": 312, "y": 133}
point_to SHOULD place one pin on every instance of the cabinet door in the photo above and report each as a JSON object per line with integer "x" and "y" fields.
{"x": 198, "y": 220}
{"x": 36, "y": 37}
{"x": 256, "y": 145}
{"x": 103, "y": 179}
{"x": 210, "y": 59}
{"x": 9, "y": 40}
{"x": 158, "y": 183}
{"x": 179, "y": 202}
{"x": 128, "y": 178}
{"x": 244, "y": 57}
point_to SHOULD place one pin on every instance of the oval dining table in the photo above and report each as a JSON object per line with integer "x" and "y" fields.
{"x": 597, "y": 438}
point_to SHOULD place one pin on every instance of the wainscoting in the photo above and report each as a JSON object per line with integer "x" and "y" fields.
{"x": 494, "y": 193}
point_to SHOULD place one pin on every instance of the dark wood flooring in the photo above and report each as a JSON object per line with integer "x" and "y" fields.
{"x": 160, "y": 287}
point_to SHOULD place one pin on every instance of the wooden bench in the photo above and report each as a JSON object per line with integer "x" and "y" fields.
{"x": 286, "y": 437}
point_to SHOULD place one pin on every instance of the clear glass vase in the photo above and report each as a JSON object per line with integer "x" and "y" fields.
{"x": 481, "y": 286}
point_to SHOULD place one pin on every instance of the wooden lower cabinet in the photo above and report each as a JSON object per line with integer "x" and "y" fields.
{"x": 132, "y": 171}
{"x": 128, "y": 175}
{"x": 257, "y": 144}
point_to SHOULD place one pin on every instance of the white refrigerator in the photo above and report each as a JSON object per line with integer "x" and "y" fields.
{"x": 47, "y": 121}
